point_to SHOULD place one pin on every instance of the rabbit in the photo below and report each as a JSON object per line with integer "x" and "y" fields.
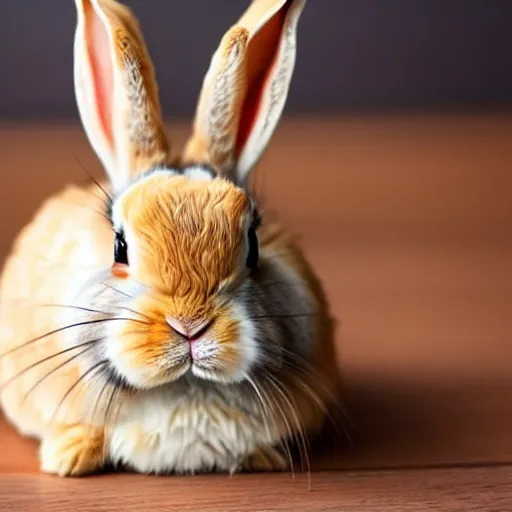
{"x": 158, "y": 320}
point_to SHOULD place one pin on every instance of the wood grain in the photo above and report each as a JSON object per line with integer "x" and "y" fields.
{"x": 450, "y": 490}
{"x": 408, "y": 222}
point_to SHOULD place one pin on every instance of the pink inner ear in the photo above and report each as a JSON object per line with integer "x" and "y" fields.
{"x": 98, "y": 47}
{"x": 261, "y": 56}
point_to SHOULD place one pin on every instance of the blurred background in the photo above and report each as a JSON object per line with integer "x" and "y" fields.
{"x": 394, "y": 163}
{"x": 354, "y": 54}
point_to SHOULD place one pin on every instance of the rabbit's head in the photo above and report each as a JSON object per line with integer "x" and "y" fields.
{"x": 185, "y": 237}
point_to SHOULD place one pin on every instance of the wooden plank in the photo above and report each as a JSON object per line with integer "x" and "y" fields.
{"x": 447, "y": 490}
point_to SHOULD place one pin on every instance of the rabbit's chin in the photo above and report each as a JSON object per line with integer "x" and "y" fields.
{"x": 145, "y": 379}
{"x": 202, "y": 373}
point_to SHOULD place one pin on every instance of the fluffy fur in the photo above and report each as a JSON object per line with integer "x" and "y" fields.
{"x": 181, "y": 358}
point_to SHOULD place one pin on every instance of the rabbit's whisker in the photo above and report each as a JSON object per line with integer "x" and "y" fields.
{"x": 51, "y": 372}
{"x": 41, "y": 361}
{"x": 301, "y": 367}
{"x": 124, "y": 308}
{"x": 257, "y": 390}
{"x": 23, "y": 303}
{"x": 93, "y": 179}
{"x": 292, "y": 315}
{"x": 96, "y": 378}
{"x": 282, "y": 283}
{"x": 339, "y": 428}
{"x": 289, "y": 430}
{"x": 93, "y": 368}
{"x": 310, "y": 372}
{"x": 266, "y": 403}
{"x": 106, "y": 422}
{"x": 106, "y": 285}
{"x": 110, "y": 403}
{"x": 290, "y": 435}
{"x": 71, "y": 326}
{"x": 299, "y": 434}
{"x": 97, "y": 402}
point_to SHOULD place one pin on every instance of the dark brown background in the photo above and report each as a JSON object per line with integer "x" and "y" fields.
{"x": 354, "y": 54}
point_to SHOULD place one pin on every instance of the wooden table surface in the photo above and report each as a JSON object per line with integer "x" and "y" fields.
{"x": 408, "y": 220}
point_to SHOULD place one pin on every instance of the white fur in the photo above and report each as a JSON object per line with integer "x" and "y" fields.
{"x": 205, "y": 348}
{"x": 198, "y": 173}
{"x": 185, "y": 429}
{"x": 247, "y": 340}
{"x": 142, "y": 377}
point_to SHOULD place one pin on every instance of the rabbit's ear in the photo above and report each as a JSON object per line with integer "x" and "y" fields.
{"x": 245, "y": 88}
{"x": 116, "y": 90}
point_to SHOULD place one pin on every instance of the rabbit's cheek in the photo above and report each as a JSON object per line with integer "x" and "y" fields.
{"x": 146, "y": 356}
{"x": 217, "y": 350}
{"x": 227, "y": 352}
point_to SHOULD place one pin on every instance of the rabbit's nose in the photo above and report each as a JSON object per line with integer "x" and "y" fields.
{"x": 187, "y": 330}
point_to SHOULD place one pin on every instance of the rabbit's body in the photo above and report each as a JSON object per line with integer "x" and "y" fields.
{"x": 168, "y": 328}
{"x": 66, "y": 240}
{"x": 190, "y": 426}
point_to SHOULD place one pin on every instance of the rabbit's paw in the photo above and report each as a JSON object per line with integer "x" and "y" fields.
{"x": 72, "y": 450}
{"x": 265, "y": 459}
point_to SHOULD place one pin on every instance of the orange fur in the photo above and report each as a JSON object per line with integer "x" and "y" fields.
{"x": 190, "y": 236}
{"x": 79, "y": 448}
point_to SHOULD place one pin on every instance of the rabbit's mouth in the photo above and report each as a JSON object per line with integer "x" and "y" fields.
{"x": 204, "y": 361}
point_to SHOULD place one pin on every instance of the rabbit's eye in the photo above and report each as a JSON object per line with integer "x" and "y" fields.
{"x": 120, "y": 249}
{"x": 253, "y": 256}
